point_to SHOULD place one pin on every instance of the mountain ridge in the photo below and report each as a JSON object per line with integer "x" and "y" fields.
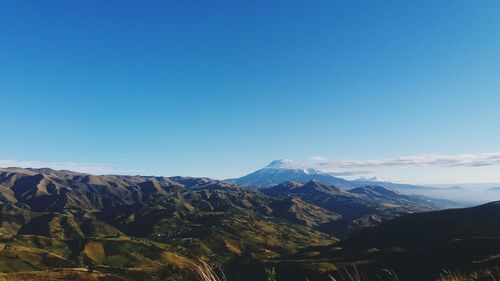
{"x": 280, "y": 171}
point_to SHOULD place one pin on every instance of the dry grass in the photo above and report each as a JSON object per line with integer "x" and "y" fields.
{"x": 353, "y": 274}
{"x": 205, "y": 272}
{"x": 349, "y": 274}
{"x": 457, "y": 276}
{"x": 454, "y": 276}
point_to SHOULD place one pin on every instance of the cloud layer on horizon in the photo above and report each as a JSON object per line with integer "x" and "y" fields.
{"x": 459, "y": 160}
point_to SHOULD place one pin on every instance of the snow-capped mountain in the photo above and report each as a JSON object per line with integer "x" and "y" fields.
{"x": 279, "y": 171}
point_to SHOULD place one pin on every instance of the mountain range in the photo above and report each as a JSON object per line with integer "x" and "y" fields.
{"x": 116, "y": 222}
{"x": 108, "y": 198}
{"x": 156, "y": 228}
{"x": 279, "y": 171}
{"x": 359, "y": 207}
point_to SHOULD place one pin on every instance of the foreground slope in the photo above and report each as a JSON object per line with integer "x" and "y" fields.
{"x": 464, "y": 243}
{"x": 418, "y": 231}
{"x": 420, "y": 246}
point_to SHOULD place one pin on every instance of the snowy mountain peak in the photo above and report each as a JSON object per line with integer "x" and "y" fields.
{"x": 283, "y": 163}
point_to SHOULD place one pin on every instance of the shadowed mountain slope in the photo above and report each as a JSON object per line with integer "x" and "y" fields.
{"x": 418, "y": 231}
{"x": 421, "y": 246}
{"x": 357, "y": 208}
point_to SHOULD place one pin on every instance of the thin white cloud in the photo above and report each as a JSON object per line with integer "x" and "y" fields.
{"x": 459, "y": 160}
{"x": 318, "y": 158}
{"x": 350, "y": 173}
{"x": 90, "y": 168}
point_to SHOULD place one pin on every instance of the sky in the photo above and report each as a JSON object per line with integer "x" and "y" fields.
{"x": 221, "y": 88}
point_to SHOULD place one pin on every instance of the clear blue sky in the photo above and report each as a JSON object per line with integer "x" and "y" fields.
{"x": 219, "y": 88}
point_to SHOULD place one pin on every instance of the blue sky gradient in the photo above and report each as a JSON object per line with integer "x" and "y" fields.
{"x": 220, "y": 88}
